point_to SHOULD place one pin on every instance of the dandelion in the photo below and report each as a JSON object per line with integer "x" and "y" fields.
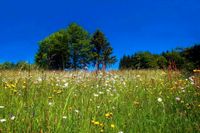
{"x": 109, "y": 115}
{"x": 96, "y": 123}
{"x": 2, "y": 120}
{"x": 93, "y": 121}
{"x": 112, "y": 126}
{"x": 159, "y": 99}
{"x": 101, "y": 125}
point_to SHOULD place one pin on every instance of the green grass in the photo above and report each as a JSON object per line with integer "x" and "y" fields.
{"x": 75, "y": 102}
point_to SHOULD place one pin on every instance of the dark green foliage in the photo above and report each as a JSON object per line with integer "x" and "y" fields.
{"x": 7, "y": 65}
{"x": 72, "y": 48}
{"x": 192, "y": 56}
{"x": 184, "y": 59}
{"x": 53, "y": 51}
{"x": 21, "y": 65}
{"x": 102, "y": 51}
{"x": 174, "y": 56}
{"x": 79, "y": 46}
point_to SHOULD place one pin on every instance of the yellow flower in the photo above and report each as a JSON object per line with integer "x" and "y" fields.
{"x": 101, "y": 131}
{"x": 101, "y": 124}
{"x": 136, "y": 103}
{"x": 196, "y": 71}
{"x": 13, "y": 86}
{"x": 59, "y": 91}
{"x": 96, "y": 123}
{"x": 112, "y": 126}
{"x": 15, "y": 91}
{"x": 109, "y": 115}
{"x": 93, "y": 121}
{"x": 49, "y": 97}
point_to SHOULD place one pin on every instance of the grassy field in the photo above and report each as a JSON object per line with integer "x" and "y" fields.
{"x": 114, "y": 102}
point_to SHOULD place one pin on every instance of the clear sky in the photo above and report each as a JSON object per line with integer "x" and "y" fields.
{"x": 130, "y": 25}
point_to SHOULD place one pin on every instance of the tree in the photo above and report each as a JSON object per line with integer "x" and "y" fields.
{"x": 53, "y": 51}
{"x": 66, "y": 49}
{"x": 102, "y": 51}
{"x": 174, "y": 56}
{"x": 79, "y": 44}
{"x": 192, "y": 56}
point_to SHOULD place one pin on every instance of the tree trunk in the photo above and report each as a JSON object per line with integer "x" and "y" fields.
{"x": 104, "y": 66}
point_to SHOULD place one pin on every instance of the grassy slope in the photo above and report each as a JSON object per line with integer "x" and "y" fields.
{"x": 78, "y": 102}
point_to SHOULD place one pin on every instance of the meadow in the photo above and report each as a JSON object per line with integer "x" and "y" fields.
{"x": 137, "y": 101}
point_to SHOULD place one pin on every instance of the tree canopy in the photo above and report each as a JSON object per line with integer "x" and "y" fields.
{"x": 187, "y": 59}
{"x": 102, "y": 51}
{"x": 73, "y": 48}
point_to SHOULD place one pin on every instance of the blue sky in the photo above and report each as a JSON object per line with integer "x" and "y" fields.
{"x": 130, "y": 25}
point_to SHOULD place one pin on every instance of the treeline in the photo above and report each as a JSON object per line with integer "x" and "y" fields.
{"x": 187, "y": 59}
{"x": 21, "y": 65}
{"x": 74, "y": 48}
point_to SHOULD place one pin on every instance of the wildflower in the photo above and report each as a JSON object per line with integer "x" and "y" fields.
{"x": 101, "y": 124}
{"x": 93, "y": 121}
{"x": 64, "y": 117}
{"x": 59, "y": 91}
{"x": 50, "y": 103}
{"x": 49, "y": 97}
{"x": 1, "y": 107}
{"x": 100, "y": 92}
{"x": 109, "y": 115}
{"x": 39, "y": 79}
{"x": 178, "y": 99}
{"x": 136, "y": 103}
{"x": 13, "y": 86}
{"x": 2, "y": 120}
{"x": 66, "y": 85}
{"x": 138, "y": 76}
{"x": 77, "y": 111}
{"x": 120, "y": 132}
{"x": 96, "y": 123}
{"x": 159, "y": 99}
{"x": 96, "y": 95}
{"x": 15, "y": 91}
{"x": 12, "y": 117}
{"x": 196, "y": 71}
{"x": 101, "y": 131}
{"x": 112, "y": 126}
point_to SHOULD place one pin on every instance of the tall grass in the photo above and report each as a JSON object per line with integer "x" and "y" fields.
{"x": 121, "y": 101}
